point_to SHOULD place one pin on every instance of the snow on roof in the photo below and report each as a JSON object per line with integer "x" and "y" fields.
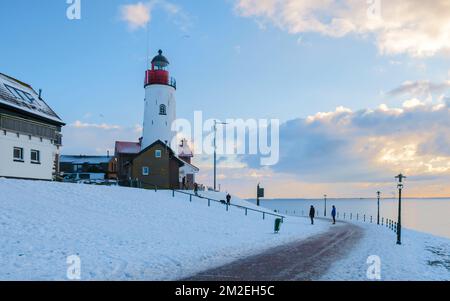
{"x": 19, "y": 95}
{"x": 189, "y": 168}
{"x": 85, "y": 159}
{"x": 123, "y": 147}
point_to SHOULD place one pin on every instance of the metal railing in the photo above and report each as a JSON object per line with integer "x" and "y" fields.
{"x": 227, "y": 206}
{"x": 136, "y": 184}
{"x": 365, "y": 218}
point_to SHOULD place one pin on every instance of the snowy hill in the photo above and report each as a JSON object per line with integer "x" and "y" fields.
{"x": 123, "y": 233}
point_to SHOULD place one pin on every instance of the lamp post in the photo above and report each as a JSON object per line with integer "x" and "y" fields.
{"x": 325, "y": 210}
{"x": 378, "y": 204}
{"x": 259, "y": 194}
{"x": 400, "y": 178}
{"x": 215, "y": 151}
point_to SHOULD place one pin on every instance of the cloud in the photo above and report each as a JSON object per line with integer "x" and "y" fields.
{"x": 366, "y": 145}
{"x": 423, "y": 88}
{"x": 82, "y": 125}
{"x": 136, "y": 15}
{"x": 92, "y": 139}
{"x": 415, "y": 27}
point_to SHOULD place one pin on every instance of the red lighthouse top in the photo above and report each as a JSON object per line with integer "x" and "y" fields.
{"x": 158, "y": 74}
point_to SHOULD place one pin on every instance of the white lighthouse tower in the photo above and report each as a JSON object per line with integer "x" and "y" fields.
{"x": 160, "y": 103}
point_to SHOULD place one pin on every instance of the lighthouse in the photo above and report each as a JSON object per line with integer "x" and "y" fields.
{"x": 153, "y": 161}
{"x": 160, "y": 103}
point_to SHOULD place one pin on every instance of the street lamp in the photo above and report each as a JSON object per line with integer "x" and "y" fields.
{"x": 400, "y": 178}
{"x": 215, "y": 151}
{"x": 325, "y": 211}
{"x": 378, "y": 203}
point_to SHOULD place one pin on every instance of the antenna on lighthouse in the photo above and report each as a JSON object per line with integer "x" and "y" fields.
{"x": 147, "y": 54}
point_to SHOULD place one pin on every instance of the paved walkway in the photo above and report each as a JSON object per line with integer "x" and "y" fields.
{"x": 307, "y": 259}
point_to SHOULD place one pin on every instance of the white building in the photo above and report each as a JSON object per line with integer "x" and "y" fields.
{"x": 30, "y": 133}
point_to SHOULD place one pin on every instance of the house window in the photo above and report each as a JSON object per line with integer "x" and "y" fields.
{"x": 162, "y": 110}
{"x": 35, "y": 156}
{"x": 158, "y": 153}
{"x": 18, "y": 154}
{"x": 30, "y": 98}
{"x": 145, "y": 171}
{"x": 20, "y": 94}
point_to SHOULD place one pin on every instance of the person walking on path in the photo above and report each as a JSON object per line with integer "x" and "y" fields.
{"x": 312, "y": 213}
{"x": 333, "y": 214}
{"x": 183, "y": 183}
{"x": 196, "y": 188}
{"x": 228, "y": 199}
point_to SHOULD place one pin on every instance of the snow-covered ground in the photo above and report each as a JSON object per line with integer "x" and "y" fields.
{"x": 420, "y": 257}
{"x": 126, "y": 234}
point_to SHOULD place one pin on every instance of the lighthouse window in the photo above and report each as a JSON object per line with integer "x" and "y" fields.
{"x": 162, "y": 110}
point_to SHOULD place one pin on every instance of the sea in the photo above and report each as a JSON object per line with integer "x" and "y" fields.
{"x": 429, "y": 215}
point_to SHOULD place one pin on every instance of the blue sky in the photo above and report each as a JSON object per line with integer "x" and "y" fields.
{"x": 231, "y": 59}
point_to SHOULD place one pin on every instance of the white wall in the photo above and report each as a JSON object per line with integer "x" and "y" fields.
{"x": 9, "y": 168}
{"x": 155, "y": 95}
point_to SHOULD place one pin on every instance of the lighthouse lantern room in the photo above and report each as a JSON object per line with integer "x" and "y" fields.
{"x": 160, "y": 103}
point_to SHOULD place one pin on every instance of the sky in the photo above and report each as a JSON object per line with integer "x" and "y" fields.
{"x": 360, "y": 87}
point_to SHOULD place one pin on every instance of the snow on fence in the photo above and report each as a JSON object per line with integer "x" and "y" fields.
{"x": 227, "y": 206}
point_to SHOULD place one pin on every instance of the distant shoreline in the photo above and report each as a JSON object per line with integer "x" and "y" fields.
{"x": 348, "y": 199}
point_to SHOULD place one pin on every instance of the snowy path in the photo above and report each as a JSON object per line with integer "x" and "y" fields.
{"x": 307, "y": 259}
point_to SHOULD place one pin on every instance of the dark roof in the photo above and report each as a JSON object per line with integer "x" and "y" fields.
{"x": 85, "y": 159}
{"x": 160, "y": 60}
{"x": 17, "y": 81}
{"x": 123, "y": 147}
{"x": 35, "y": 107}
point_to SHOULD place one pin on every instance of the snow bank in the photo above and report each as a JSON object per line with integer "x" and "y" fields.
{"x": 126, "y": 234}
{"x": 420, "y": 257}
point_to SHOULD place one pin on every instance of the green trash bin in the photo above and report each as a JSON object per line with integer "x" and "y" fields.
{"x": 277, "y": 225}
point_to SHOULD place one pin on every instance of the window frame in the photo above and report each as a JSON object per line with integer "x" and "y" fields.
{"x": 25, "y": 96}
{"x": 158, "y": 154}
{"x": 18, "y": 159}
{"x": 145, "y": 171}
{"x": 38, "y": 153}
{"x": 163, "y": 110}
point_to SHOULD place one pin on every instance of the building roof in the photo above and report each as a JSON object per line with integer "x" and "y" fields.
{"x": 19, "y": 96}
{"x": 123, "y": 147}
{"x": 160, "y": 60}
{"x": 171, "y": 152}
{"x": 190, "y": 168}
{"x": 85, "y": 159}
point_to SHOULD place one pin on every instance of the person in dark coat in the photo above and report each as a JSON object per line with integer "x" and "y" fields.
{"x": 312, "y": 214}
{"x": 183, "y": 183}
{"x": 333, "y": 214}
{"x": 196, "y": 188}
{"x": 228, "y": 199}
